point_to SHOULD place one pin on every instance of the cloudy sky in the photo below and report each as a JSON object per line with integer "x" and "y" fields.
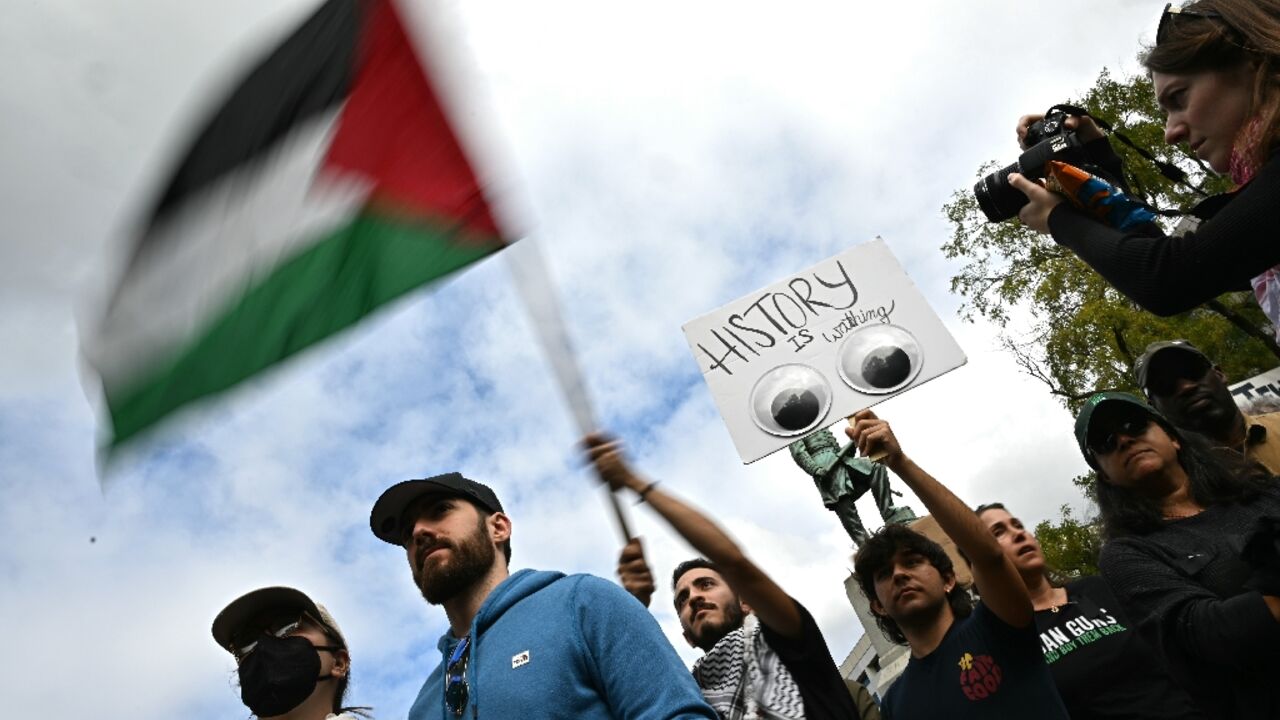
{"x": 675, "y": 156}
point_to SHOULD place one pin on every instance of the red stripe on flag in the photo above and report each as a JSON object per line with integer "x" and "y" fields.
{"x": 394, "y": 132}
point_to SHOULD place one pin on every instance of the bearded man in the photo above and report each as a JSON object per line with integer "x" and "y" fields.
{"x": 529, "y": 644}
{"x": 1189, "y": 389}
{"x": 765, "y": 656}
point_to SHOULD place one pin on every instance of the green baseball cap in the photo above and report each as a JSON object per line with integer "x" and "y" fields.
{"x": 1112, "y": 401}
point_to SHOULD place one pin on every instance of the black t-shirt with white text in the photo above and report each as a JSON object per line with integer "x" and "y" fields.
{"x": 1102, "y": 667}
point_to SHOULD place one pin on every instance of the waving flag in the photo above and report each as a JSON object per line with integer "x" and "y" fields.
{"x": 328, "y": 183}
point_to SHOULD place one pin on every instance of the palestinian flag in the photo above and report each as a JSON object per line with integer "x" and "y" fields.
{"x": 329, "y": 183}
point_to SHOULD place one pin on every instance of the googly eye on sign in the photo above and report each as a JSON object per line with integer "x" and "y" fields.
{"x": 818, "y": 346}
{"x": 790, "y": 400}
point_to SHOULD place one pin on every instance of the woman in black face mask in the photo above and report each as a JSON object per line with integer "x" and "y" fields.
{"x": 293, "y": 661}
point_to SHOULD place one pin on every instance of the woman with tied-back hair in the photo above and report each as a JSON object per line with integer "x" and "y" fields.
{"x": 1191, "y": 552}
{"x": 1101, "y": 665}
{"x": 1216, "y": 71}
{"x": 292, "y": 660}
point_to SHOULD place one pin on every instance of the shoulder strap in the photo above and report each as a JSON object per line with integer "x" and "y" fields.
{"x": 1171, "y": 172}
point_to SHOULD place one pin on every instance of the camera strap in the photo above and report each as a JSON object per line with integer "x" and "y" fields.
{"x": 1170, "y": 171}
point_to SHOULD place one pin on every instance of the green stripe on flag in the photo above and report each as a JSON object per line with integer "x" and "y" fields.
{"x": 329, "y": 286}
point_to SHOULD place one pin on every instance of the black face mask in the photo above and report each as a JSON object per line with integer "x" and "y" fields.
{"x": 279, "y": 674}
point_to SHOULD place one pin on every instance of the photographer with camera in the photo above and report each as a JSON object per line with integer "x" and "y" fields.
{"x": 1216, "y": 71}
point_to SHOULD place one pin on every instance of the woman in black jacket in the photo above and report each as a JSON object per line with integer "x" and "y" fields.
{"x": 1191, "y": 552}
{"x": 1216, "y": 71}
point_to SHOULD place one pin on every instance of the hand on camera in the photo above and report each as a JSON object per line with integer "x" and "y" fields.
{"x": 1035, "y": 214}
{"x": 1086, "y": 129}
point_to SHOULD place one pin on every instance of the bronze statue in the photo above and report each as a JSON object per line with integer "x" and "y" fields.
{"x": 842, "y": 478}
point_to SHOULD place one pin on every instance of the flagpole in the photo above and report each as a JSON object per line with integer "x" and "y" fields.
{"x": 533, "y": 282}
{"x": 621, "y": 516}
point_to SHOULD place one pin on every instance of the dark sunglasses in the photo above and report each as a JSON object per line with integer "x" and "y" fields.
{"x": 1163, "y": 379}
{"x": 1171, "y": 11}
{"x": 455, "y": 678}
{"x": 282, "y": 625}
{"x": 1130, "y": 427}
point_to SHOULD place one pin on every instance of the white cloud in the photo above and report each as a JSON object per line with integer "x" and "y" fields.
{"x": 677, "y": 155}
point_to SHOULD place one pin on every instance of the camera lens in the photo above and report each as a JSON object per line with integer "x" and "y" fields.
{"x": 1046, "y": 140}
{"x": 998, "y": 199}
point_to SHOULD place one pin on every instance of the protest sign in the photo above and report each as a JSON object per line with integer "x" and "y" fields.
{"x": 817, "y": 346}
{"x": 1258, "y": 388}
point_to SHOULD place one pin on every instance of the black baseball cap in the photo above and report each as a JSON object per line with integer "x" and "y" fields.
{"x": 252, "y": 604}
{"x": 1162, "y": 347}
{"x": 386, "y": 518}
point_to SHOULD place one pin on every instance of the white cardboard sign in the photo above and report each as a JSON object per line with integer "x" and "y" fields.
{"x": 1257, "y": 387}
{"x": 818, "y": 346}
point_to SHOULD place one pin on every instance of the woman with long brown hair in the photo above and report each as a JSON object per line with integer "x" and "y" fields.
{"x": 1216, "y": 71}
{"x": 1192, "y": 538}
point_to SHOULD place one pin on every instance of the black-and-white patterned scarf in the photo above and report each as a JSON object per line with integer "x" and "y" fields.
{"x": 744, "y": 679}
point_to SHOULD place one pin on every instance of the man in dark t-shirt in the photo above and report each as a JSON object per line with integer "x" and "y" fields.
{"x": 983, "y": 668}
{"x": 980, "y": 663}
{"x": 765, "y": 656}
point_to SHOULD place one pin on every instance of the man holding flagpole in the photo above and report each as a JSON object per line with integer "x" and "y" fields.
{"x": 765, "y": 656}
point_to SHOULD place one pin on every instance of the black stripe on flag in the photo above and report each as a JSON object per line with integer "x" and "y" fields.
{"x": 307, "y": 75}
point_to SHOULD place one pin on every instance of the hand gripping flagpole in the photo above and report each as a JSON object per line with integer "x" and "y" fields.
{"x": 533, "y": 282}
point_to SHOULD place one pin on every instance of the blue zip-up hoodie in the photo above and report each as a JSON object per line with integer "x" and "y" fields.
{"x": 549, "y": 645}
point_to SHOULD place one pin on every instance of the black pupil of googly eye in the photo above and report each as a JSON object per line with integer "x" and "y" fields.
{"x": 886, "y": 366}
{"x": 790, "y": 400}
{"x": 794, "y": 410}
{"x": 879, "y": 359}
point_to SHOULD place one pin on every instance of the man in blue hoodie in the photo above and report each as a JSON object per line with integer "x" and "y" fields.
{"x": 529, "y": 644}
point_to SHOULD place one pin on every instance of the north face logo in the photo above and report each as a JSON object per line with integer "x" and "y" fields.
{"x": 519, "y": 659}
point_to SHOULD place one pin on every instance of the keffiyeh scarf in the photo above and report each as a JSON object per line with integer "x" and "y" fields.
{"x": 744, "y": 679}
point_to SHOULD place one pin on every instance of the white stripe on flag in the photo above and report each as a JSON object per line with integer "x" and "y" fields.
{"x": 216, "y": 246}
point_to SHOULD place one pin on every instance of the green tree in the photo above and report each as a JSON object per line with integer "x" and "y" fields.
{"x": 1070, "y": 546}
{"x": 1061, "y": 321}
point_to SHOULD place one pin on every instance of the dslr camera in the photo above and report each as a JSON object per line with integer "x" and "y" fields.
{"x": 1047, "y": 139}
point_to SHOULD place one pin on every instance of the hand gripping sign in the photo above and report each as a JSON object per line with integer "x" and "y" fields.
{"x": 818, "y": 346}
